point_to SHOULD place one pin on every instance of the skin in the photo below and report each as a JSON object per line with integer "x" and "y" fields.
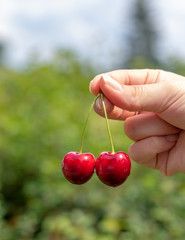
{"x": 152, "y": 103}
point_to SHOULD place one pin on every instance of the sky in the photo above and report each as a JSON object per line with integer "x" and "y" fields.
{"x": 93, "y": 28}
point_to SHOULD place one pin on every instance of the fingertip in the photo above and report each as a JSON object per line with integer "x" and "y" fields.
{"x": 91, "y": 87}
{"x": 94, "y": 86}
{"x": 98, "y": 107}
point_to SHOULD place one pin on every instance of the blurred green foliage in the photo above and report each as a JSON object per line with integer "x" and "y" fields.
{"x": 42, "y": 113}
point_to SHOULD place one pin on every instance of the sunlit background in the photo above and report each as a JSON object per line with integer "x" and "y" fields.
{"x": 96, "y": 30}
{"x": 49, "y": 52}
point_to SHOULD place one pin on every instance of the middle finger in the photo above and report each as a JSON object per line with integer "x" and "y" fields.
{"x": 148, "y": 124}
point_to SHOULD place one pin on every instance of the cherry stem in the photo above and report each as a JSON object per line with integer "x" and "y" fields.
{"x": 85, "y": 125}
{"x": 107, "y": 122}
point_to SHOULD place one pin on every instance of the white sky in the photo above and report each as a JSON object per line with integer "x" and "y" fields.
{"x": 93, "y": 28}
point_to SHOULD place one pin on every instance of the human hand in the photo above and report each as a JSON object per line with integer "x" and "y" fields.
{"x": 159, "y": 129}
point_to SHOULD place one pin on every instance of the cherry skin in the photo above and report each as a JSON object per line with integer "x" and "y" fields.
{"x": 78, "y": 168}
{"x": 113, "y": 169}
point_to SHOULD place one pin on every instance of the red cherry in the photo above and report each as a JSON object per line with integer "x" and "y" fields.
{"x": 78, "y": 168}
{"x": 113, "y": 169}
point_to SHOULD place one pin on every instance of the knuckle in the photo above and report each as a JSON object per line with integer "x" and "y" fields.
{"x": 155, "y": 142}
{"x": 137, "y": 92}
{"x": 159, "y": 75}
{"x": 165, "y": 173}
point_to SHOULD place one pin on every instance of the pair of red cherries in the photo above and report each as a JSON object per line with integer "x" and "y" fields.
{"x": 111, "y": 168}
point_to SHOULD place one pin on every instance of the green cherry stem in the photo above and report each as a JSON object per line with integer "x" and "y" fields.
{"x": 83, "y": 133}
{"x": 107, "y": 122}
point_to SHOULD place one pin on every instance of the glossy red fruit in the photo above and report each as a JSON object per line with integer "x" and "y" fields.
{"x": 78, "y": 168}
{"x": 113, "y": 169}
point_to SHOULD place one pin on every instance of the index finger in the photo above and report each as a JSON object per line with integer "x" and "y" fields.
{"x": 128, "y": 77}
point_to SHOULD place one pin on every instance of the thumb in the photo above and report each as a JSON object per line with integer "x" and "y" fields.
{"x": 149, "y": 97}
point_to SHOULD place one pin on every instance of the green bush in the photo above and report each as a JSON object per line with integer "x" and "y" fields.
{"x": 42, "y": 113}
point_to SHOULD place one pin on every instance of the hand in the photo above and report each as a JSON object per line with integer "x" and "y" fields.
{"x": 159, "y": 129}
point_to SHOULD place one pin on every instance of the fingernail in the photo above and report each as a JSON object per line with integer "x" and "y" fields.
{"x": 172, "y": 138}
{"x": 111, "y": 82}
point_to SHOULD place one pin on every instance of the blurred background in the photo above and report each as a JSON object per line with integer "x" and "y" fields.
{"x": 49, "y": 52}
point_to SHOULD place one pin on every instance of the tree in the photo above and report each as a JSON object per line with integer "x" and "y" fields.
{"x": 143, "y": 35}
{"x": 2, "y": 52}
